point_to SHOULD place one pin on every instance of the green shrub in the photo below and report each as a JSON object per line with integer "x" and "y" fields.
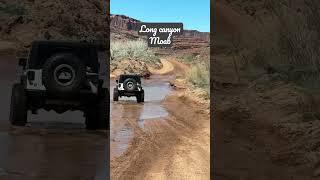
{"x": 199, "y": 76}
{"x": 287, "y": 44}
{"x": 187, "y": 59}
{"x": 137, "y": 50}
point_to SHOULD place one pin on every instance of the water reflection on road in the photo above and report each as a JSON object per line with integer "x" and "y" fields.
{"x": 127, "y": 115}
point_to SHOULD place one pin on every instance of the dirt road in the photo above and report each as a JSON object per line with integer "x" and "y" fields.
{"x": 51, "y": 146}
{"x": 167, "y": 137}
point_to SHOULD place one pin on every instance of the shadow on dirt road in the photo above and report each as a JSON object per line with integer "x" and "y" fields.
{"x": 52, "y": 146}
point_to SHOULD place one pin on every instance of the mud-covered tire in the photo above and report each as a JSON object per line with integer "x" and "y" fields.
{"x": 142, "y": 96}
{"x": 115, "y": 94}
{"x": 130, "y": 84}
{"x": 18, "y": 107}
{"x": 63, "y": 62}
{"x": 98, "y": 115}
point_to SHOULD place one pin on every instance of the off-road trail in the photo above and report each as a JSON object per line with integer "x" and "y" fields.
{"x": 170, "y": 66}
{"x": 167, "y": 137}
{"x": 167, "y": 67}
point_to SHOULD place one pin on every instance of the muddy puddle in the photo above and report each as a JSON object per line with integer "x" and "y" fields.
{"x": 127, "y": 115}
{"x": 54, "y": 150}
{"x": 54, "y": 146}
{"x": 37, "y": 154}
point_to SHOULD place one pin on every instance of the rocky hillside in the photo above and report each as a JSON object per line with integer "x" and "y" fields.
{"x": 125, "y": 23}
{"x": 123, "y": 27}
{"x": 24, "y": 21}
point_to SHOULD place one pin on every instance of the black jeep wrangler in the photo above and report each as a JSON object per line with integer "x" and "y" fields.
{"x": 129, "y": 85}
{"x": 62, "y": 76}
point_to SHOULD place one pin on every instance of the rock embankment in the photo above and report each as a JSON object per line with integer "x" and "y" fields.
{"x": 25, "y": 21}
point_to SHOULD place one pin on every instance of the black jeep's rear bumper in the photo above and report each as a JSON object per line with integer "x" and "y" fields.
{"x": 129, "y": 94}
{"x": 43, "y": 100}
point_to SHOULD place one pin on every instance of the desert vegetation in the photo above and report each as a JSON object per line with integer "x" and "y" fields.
{"x": 132, "y": 56}
{"x": 199, "y": 73}
{"x": 132, "y": 50}
{"x": 285, "y": 43}
{"x": 199, "y": 76}
{"x": 269, "y": 62}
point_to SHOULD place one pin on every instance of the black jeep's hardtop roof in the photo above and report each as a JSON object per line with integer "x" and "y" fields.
{"x": 98, "y": 45}
{"x": 123, "y": 77}
{"x": 86, "y": 51}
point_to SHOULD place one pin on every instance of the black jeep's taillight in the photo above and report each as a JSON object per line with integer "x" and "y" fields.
{"x": 31, "y": 75}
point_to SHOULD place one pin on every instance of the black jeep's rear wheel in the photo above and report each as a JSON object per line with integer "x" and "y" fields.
{"x": 98, "y": 115}
{"x": 18, "y": 108}
{"x": 63, "y": 73}
{"x": 140, "y": 97}
{"x": 115, "y": 94}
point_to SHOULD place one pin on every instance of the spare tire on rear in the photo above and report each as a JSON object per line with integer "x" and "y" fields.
{"x": 63, "y": 73}
{"x": 130, "y": 84}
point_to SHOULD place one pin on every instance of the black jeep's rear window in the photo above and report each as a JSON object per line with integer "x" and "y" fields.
{"x": 124, "y": 77}
{"x": 42, "y": 50}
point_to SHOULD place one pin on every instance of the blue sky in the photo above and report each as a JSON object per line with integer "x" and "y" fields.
{"x": 193, "y": 14}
